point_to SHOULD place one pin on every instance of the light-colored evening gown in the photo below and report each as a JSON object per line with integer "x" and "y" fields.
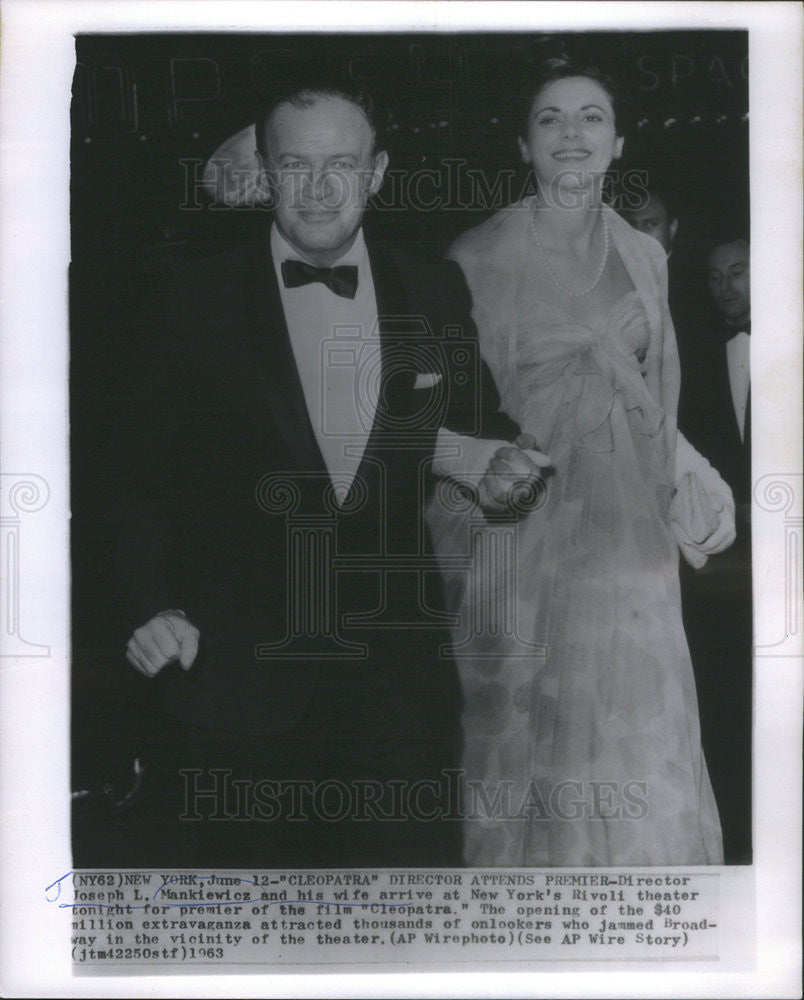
{"x": 581, "y": 731}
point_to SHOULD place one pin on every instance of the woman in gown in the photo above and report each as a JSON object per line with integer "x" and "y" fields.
{"x": 582, "y": 742}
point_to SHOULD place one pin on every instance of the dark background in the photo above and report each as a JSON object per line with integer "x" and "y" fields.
{"x": 142, "y": 104}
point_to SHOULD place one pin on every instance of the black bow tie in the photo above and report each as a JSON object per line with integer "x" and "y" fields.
{"x": 340, "y": 280}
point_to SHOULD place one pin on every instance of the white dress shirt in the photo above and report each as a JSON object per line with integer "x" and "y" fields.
{"x": 738, "y": 357}
{"x": 336, "y": 347}
{"x": 335, "y": 342}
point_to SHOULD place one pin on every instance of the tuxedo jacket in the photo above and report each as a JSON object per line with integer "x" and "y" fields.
{"x": 706, "y": 410}
{"x": 225, "y": 510}
{"x": 723, "y": 586}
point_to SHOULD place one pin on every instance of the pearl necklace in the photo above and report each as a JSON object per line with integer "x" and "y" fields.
{"x": 600, "y": 270}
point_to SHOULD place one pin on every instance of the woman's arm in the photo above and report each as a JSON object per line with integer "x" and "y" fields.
{"x": 702, "y": 510}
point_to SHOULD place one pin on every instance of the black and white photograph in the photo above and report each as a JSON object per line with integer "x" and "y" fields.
{"x": 338, "y": 636}
{"x": 429, "y": 548}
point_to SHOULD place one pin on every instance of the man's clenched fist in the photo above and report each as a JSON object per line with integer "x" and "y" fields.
{"x": 164, "y": 639}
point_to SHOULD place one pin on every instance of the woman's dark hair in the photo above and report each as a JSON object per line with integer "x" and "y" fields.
{"x": 303, "y": 92}
{"x": 561, "y": 68}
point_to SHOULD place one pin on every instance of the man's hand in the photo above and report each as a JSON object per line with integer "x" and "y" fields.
{"x": 512, "y": 468}
{"x": 164, "y": 639}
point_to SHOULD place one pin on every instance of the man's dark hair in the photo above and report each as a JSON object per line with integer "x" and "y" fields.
{"x": 655, "y": 187}
{"x": 304, "y": 92}
{"x": 724, "y": 237}
{"x": 561, "y": 68}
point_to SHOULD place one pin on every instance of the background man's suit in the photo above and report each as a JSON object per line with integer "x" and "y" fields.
{"x": 225, "y": 409}
{"x": 717, "y": 600}
{"x": 706, "y": 406}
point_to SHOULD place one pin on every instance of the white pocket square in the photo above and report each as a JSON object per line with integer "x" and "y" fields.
{"x": 426, "y": 380}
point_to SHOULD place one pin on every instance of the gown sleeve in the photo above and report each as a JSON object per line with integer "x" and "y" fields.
{"x": 702, "y": 506}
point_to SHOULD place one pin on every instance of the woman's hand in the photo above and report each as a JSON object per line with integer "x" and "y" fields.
{"x": 702, "y": 511}
{"x": 512, "y": 470}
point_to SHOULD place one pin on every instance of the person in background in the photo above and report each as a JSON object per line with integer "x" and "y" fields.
{"x": 715, "y": 414}
{"x": 656, "y": 214}
{"x": 654, "y": 217}
{"x": 729, "y": 279}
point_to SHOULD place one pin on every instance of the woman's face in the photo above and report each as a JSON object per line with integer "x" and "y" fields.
{"x": 571, "y": 139}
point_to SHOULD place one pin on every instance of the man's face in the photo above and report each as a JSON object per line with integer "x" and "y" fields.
{"x": 322, "y": 163}
{"x": 652, "y": 219}
{"x": 730, "y": 280}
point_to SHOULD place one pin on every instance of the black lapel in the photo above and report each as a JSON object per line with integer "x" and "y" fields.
{"x": 395, "y": 320}
{"x": 280, "y": 394}
{"x": 281, "y": 397}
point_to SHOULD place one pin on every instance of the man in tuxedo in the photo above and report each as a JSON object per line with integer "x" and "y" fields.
{"x": 729, "y": 277}
{"x": 714, "y": 408}
{"x": 714, "y": 414}
{"x": 657, "y": 215}
{"x": 654, "y": 217}
{"x": 275, "y": 566}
